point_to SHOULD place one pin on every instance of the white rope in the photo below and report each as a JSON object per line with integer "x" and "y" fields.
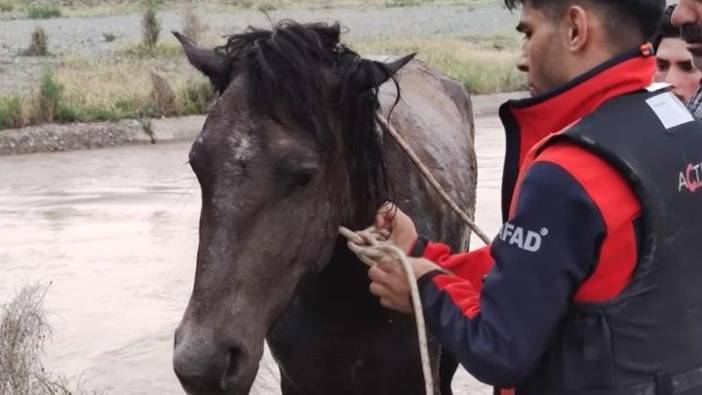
{"x": 432, "y": 181}
{"x": 370, "y": 245}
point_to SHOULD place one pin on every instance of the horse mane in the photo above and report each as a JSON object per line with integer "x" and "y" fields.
{"x": 300, "y": 74}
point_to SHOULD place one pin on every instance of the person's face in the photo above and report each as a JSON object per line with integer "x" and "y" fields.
{"x": 688, "y": 16}
{"x": 541, "y": 50}
{"x": 674, "y": 66}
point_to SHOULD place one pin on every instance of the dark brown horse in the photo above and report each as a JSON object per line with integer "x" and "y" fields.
{"x": 290, "y": 151}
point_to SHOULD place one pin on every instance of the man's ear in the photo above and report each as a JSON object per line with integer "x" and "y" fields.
{"x": 577, "y": 25}
{"x": 211, "y": 63}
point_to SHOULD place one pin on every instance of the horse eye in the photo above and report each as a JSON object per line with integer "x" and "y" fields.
{"x": 304, "y": 177}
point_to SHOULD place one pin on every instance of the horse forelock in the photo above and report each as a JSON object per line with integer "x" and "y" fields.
{"x": 299, "y": 75}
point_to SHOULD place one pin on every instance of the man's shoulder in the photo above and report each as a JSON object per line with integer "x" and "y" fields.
{"x": 604, "y": 184}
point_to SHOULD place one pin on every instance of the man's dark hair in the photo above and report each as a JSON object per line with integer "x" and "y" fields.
{"x": 627, "y": 20}
{"x": 666, "y": 29}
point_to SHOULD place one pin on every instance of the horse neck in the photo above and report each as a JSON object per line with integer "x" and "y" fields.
{"x": 340, "y": 288}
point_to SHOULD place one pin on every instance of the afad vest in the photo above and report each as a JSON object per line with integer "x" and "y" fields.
{"x": 647, "y": 341}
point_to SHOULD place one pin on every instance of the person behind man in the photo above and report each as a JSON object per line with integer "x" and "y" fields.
{"x": 674, "y": 61}
{"x": 688, "y": 16}
{"x": 592, "y": 285}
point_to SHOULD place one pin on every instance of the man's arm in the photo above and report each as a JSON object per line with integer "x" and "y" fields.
{"x": 472, "y": 266}
{"x": 542, "y": 255}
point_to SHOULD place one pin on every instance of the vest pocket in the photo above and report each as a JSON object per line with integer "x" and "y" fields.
{"x": 588, "y": 354}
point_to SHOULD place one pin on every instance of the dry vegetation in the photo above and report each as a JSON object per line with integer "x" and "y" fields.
{"x": 151, "y": 78}
{"x": 23, "y": 333}
{"x": 124, "y": 85}
{"x": 481, "y": 64}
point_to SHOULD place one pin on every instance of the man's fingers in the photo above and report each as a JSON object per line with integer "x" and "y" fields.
{"x": 387, "y": 304}
{"x": 377, "y": 274}
{"x": 388, "y": 265}
{"x": 384, "y": 217}
{"x": 379, "y": 290}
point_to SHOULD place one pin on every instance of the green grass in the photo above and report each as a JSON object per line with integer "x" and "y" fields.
{"x": 43, "y": 11}
{"x": 10, "y": 112}
{"x": 482, "y": 64}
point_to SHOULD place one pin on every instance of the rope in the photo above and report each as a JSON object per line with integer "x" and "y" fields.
{"x": 432, "y": 181}
{"x": 372, "y": 244}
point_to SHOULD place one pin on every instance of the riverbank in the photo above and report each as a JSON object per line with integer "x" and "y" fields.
{"x": 78, "y": 136}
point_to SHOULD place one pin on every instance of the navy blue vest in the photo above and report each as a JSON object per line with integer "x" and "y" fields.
{"x": 647, "y": 341}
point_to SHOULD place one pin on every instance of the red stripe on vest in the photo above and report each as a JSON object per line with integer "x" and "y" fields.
{"x": 619, "y": 207}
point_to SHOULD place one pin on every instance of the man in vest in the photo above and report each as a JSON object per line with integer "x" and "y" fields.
{"x": 592, "y": 287}
{"x": 688, "y": 15}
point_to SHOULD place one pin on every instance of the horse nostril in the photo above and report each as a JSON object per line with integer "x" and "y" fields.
{"x": 200, "y": 369}
{"x": 233, "y": 365}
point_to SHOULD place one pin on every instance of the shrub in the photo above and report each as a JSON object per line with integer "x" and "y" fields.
{"x": 6, "y": 7}
{"x": 39, "y": 45}
{"x": 151, "y": 26}
{"x": 11, "y": 110}
{"x": 109, "y": 37}
{"x": 23, "y": 331}
{"x": 48, "y": 99}
{"x": 43, "y": 11}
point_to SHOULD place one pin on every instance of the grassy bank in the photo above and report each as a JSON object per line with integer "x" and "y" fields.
{"x": 139, "y": 82}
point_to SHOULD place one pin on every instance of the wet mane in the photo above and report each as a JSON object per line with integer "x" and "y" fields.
{"x": 301, "y": 75}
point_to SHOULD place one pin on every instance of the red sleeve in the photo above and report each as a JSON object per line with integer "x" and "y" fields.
{"x": 472, "y": 266}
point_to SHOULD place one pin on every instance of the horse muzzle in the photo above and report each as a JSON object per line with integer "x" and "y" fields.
{"x": 204, "y": 367}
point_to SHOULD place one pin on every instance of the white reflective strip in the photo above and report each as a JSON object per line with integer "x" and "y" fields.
{"x": 669, "y": 110}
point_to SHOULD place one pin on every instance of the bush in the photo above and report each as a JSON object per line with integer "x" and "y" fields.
{"x": 6, "y": 7}
{"x": 151, "y": 26}
{"x": 11, "y": 110}
{"x": 109, "y": 37}
{"x": 39, "y": 45}
{"x": 48, "y": 99}
{"x": 43, "y": 11}
{"x": 23, "y": 332}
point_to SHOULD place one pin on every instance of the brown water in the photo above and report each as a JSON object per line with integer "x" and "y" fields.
{"x": 115, "y": 233}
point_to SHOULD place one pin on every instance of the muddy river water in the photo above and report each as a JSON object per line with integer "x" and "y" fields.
{"x": 114, "y": 233}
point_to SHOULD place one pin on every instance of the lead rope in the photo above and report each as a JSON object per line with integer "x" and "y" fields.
{"x": 372, "y": 244}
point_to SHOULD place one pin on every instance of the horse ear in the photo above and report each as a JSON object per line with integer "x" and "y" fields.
{"x": 380, "y": 72}
{"x": 211, "y": 63}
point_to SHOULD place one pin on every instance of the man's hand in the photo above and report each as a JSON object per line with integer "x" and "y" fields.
{"x": 403, "y": 233}
{"x": 389, "y": 282}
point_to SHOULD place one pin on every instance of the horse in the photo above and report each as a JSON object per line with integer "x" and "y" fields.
{"x": 292, "y": 149}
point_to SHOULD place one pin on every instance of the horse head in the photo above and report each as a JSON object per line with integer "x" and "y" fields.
{"x": 289, "y": 152}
